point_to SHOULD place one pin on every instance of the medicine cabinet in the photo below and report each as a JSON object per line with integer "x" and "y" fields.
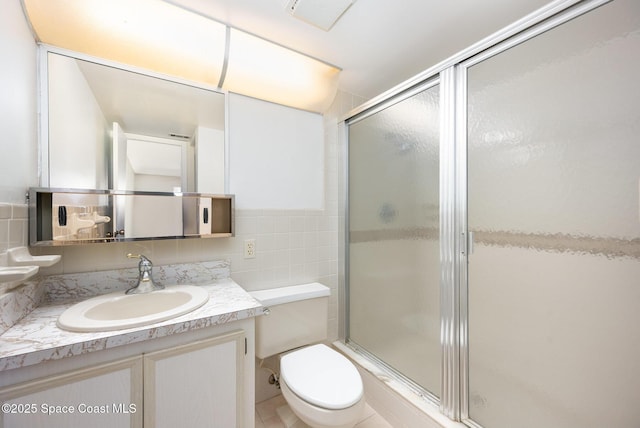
{"x": 79, "y": 216}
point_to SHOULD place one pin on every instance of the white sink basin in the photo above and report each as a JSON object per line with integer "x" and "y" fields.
{"x": 116, "y": 311}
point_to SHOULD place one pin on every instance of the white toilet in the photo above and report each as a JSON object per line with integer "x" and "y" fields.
{"x": 322, "y": 387}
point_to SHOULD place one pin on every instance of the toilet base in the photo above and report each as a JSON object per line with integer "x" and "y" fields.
{"x": 317, "y": 417}
{"x": 288, "y": 418}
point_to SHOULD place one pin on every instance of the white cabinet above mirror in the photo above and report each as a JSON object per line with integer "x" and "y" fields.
{"x": 109, "y": 126}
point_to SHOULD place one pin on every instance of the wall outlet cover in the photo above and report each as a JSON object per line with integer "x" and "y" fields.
{"x": 249, "y": 248}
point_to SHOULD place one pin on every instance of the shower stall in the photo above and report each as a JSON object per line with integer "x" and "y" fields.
{"x": 493, "y": 225}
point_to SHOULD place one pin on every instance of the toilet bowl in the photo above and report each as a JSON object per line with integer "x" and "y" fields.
{"x": 322, "y": 387}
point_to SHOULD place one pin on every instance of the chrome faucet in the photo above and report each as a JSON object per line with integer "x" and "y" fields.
{"x": 145, "y": 279}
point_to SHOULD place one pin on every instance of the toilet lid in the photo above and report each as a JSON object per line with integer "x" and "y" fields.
{"x": 322, "y": 377}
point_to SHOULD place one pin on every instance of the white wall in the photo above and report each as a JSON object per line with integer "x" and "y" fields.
{"x": 78, "y": 130}
{"x": 209, "y": 160}
{"x": 18, "y": 154}
{"x": 277, "y": 155}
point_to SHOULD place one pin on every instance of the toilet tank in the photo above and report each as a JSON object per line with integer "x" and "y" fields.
{"x": 297, "y": 316}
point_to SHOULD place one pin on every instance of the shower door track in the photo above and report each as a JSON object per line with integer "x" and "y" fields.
{"x": 394, "y": 374}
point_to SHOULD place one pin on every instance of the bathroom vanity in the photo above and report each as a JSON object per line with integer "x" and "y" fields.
{"x": 193, "y": 370}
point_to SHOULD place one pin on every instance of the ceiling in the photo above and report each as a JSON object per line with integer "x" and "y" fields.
{"x": 149, "y": 106}
{"x": 377, "y": 43}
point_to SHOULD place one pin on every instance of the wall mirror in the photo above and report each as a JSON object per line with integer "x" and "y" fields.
{"x": 106, "y": 126}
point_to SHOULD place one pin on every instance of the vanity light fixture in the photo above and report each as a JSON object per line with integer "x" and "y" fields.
{"x": 264, "y": 70}
{"x": 168, "y": 39}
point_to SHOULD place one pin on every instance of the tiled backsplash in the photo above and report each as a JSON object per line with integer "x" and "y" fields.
{"x": 14, "y": 226}
{"x": 79, "y": 286}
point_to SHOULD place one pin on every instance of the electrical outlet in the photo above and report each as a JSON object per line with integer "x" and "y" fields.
{"x": 249, "y": 248}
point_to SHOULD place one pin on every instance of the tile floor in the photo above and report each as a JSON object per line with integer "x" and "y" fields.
{"x": 275, "y": 413}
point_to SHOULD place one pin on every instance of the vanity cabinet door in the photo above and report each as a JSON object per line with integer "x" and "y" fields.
{"x": 196, "y": 385}
{"x": 103, "y": 396}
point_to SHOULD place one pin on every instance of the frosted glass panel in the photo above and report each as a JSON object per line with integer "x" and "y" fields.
{"x": 554, "y": 282}
{"x": 394, "y": 243}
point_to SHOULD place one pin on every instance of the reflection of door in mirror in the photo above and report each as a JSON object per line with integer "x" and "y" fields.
{"x": 148, "y": 163}
{"x": 158, "y": 166}
{"x": 152, "y": 164}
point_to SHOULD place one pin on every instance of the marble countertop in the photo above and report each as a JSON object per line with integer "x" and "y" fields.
{"x": 36, "y": 338}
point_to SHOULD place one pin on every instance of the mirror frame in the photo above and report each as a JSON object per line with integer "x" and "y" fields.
{"x": 44, "y": 172}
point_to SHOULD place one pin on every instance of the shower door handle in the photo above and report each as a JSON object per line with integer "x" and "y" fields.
{"x": 467, "y": 243}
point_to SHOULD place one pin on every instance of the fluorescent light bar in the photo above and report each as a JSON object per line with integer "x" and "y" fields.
{"x": 162, "y": 37}
{"x": 143, "y": 33}
{"x": 271, "y": 72}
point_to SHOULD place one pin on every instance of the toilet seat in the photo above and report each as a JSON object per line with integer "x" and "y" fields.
{"x": 322, "y": 377}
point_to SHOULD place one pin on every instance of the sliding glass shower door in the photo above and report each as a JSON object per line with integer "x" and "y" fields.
{"x": 393, "y": 250}
{"x": 537, "y": 265}
{"x": 553, "y": 191}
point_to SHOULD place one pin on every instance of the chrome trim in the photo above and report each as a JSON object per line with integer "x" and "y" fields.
{"x": 569, "y": 13}
{"x": 394, "y": 374}
{"x": 225, "y": 62}
{"x": 43, "y": 118}
{"x": 449, "y": 316}
{"x": 28, "y": 22}
{"x": 343, "y": 326}
{"x": 130, "y": 68}
{"x": 461, "y": 233}
{"x": 471, "y": 423}
{"x": 397, "y": 98}
{"x": 227, "y": 144}
{"x": 112, "y": 192}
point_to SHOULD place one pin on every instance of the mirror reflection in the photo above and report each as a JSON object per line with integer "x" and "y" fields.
{"x": 111, "y": 128}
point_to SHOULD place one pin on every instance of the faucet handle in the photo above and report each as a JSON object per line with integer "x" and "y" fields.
{"x": 137, "y": 256}
{"x": 144, "y": 261}
{"x": 145, "y": 280}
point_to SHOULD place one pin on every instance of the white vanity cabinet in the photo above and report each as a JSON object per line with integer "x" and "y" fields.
{"x": 106, "y": 395}
{"x": 187, "y": 380}
{"x": 195, "y": 385}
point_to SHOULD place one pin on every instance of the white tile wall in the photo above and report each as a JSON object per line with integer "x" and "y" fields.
{"x": 14, "y": 227}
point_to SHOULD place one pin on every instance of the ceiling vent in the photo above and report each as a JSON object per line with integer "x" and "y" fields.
{"x": 321, "y": 13}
